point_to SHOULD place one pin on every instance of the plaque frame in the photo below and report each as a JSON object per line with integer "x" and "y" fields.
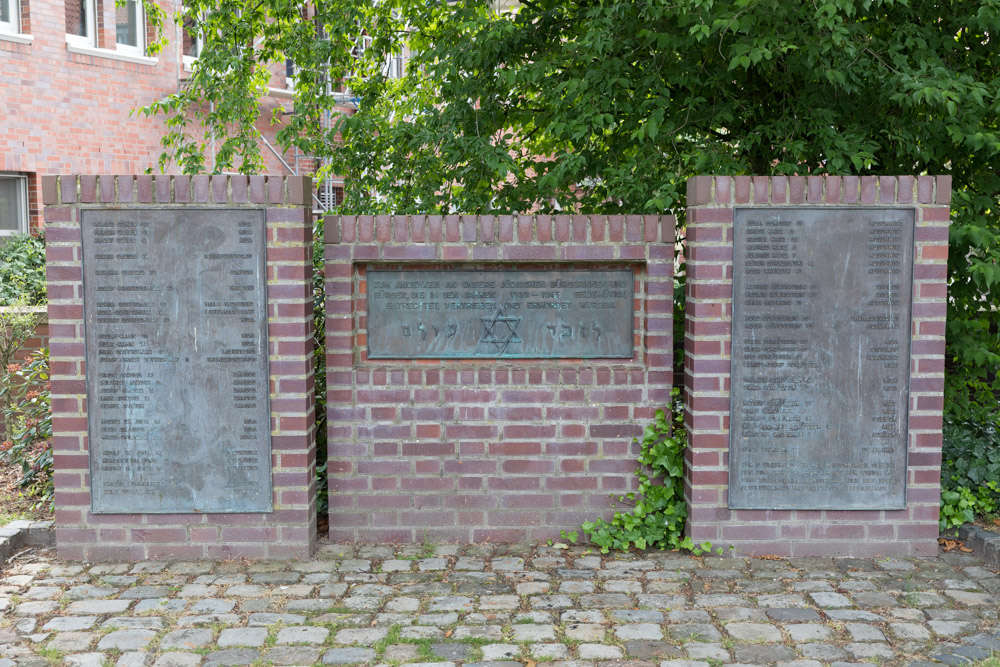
{"x": 898, "y": 499}
{"x": 266, "y": 474}
{"x": 502, "y": 270}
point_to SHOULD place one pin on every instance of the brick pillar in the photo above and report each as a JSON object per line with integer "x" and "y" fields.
{"x": 290, "y": 529}
{"x": 707, "y": 345}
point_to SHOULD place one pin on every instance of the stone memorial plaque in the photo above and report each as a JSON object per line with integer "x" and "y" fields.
{"x": 510, "y": 314}
{"x": 820, "y": 358}
{"x": 178, "y": 387}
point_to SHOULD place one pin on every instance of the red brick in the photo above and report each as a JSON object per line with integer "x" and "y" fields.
{"x": 742, "y": 189}
{"x": 515, "y": 448}
{"x": 797, "y": 189}
{"x": 760, "y": 189}
{"x": 942, "y": 190}
{"x": 409, "y": 252}
{"x": 868, "y": 189}
{"x": 743, "y": 532}
{"x": 814, "y": 186}
{"x": 529, "y": 253}
{"x": 832, "y": 184}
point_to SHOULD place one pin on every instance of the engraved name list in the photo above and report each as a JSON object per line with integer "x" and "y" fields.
{"x": 177, "y": 368}
{"x": 820, "y": 372}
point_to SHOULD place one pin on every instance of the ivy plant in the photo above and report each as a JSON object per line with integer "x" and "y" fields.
{"x": 658, "y": 509}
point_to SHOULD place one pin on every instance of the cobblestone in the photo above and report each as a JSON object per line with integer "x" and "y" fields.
{"x": 187, "y": 640}
{"x": 558, "y": 608}
{"x": 126, "y": 640}
{"x": 242, "y": 637}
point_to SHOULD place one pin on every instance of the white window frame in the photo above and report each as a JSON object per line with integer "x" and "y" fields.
{"x": 23, "y": 213}
{"x": 140, "y": 33}
{"x": 199, "y": 41}
{"x": 395, "y": 66}
{"x": 14, "y": 25}
{"x": 90, "y": 39}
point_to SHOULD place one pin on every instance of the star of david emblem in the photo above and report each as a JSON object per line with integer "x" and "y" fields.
{"x": 500, "y": 331}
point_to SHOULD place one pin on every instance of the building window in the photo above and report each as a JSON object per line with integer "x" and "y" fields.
{"x": 80, "y": 26}
{"x": 328, "y": 195}
{"x": 130, "y": 29}
{"x": 9, "y": 10}
{"x": 192, "y": 38}
{"x": 13, "y": 204}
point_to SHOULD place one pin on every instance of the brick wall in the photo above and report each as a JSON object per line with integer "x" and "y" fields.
{"x": 71, "y": 113}
{"x": 488, "y": 449}
{"x": 288, "y": 531}
{"x": 707, "y": 344}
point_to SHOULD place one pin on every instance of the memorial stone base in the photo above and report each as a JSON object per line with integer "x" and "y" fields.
{"x": 180, "y": 319}
{"x": 814, "y": 363}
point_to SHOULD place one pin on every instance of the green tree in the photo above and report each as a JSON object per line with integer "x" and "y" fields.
{"x": 610, "y": 106}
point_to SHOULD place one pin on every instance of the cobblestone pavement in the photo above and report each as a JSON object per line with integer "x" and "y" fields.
{"x": 499, "y": 605}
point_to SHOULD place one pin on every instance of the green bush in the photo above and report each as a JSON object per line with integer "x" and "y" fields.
{"x": 28, "y": 412}
{"x": 22, "y": 271}
{"x": 659, "y": 510}
{"x": 970, "y": 473}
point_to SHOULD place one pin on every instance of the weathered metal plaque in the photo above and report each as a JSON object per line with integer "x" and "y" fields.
{"x": 562, "y": 313}
{"x": 178, "y": 388}
{"x": 820, "y": 358}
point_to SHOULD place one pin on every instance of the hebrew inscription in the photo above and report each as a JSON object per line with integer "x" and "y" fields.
{"x": 564, "y": 313}
{"x": 820, "y": 358}
{"x": 177, "y": 360}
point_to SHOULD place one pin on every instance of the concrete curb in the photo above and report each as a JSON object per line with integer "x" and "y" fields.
{"x": 985, "y": 542}
{"x": 18, "y": 535}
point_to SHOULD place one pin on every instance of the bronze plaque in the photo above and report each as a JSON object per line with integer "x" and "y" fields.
{"x": 178, "y": 388}
{"x": 510, "y": 314}
{"x": 820, "y": 358}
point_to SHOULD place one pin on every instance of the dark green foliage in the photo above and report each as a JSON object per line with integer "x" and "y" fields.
{"x": 22, "y": 271}
{"x": 970, "y": 473}
{"x": 609, "y": 107}
{"x": 971, "y": 453}
{"x": 24, "y": 390}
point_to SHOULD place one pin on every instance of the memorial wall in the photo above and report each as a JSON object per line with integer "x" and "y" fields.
{"x": 814, "y": 363}
{"x": 181, "y": 319}
{"x": 486, "y": 375}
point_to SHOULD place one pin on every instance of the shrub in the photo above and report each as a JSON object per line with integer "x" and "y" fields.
{"x": 17, "y": 324}
{"x": 22, "y": 271}
{"x": 25, "y": 389}
{"x": 970, "y": 473}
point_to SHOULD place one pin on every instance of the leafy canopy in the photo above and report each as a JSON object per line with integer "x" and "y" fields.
{"x": 610, "y": 106}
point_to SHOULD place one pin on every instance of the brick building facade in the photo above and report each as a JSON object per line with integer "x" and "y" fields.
{"x": 67, "y": 98}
